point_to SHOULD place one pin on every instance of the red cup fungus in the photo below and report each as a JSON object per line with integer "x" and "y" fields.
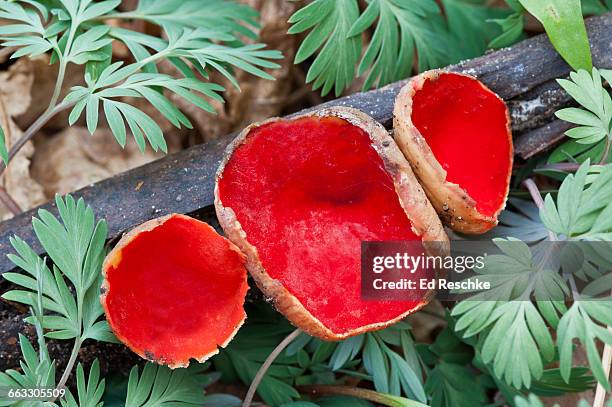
{"x": 455, "y": 132}
{"x": 298, "y": 196}
{"x": 174, "y": 289}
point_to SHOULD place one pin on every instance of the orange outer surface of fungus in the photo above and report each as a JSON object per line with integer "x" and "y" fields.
{"x": 455, "y": 132}
{"x": 174, "y": 289}
{"x": 299, "y": 196}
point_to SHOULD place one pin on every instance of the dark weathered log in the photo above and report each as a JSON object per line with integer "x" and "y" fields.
{"x": 537, "y": 107}
{"x": 535, "y": 141}
{"x": 183, "y": 182}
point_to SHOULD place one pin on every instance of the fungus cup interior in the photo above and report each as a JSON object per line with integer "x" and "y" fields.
{"x": 466, "y": 126}
{"x": 176, "y": 291}
{"x": 307, "y": 192}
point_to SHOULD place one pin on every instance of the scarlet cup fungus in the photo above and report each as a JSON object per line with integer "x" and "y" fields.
{"x": 174, "y": 289}
{"x": 455, "y": 132}
{"x": 299, "y": 196}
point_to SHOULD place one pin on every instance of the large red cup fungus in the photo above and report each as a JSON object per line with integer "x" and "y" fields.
{"x": 455, "y": 132}
{"x": 299, "y": 196}
{"x": 174, "y": 289}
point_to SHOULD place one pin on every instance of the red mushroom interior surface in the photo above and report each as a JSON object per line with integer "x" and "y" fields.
{"x": 307, "y": 192}
{"x": 466, "y": 127}
{"x": 177, "y": 291}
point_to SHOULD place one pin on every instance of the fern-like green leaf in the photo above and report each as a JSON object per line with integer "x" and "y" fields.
{"x": 403, "y": 28}
{"x": 37, "y": 368}
{"x": 586, "y": 321}
{"x": 90, "y": 391}
{"x": 142, "y": 80}
{"x": 583, "y": 205}
{"x": 594, "y": 120}
{"x": 228, "y": 16}
{"x": 330, "y": 23}
{"x": 75, "y": 244}
{"x": 158, "y": 386}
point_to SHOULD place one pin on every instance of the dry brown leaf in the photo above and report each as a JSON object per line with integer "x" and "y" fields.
{"x": 15, "y": 99}
{"x": 44, "y": 76}
{"x": 73, "y": 159}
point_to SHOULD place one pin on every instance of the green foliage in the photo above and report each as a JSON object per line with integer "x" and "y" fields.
{"x": 37, "y": 368}
{"x": 591, "y": 137}
{"x": 89, "y": 392}
{"x": 521, "y": 220}
{"x": 512, "y": 333}
{"x": 30, "y": 31}
{"x": 386, "y": 358}
{"x": 447, "y": 383}
{"x": 583, "y": 322}
{"x": 565, "y": 27}
{"x": 400, "y": 30}
{"x": 590, "y": 7}
{"x": 75, "y": 244}
{"x": 531, "y": 401}
{"x": 243, "y": 357}
{"x": 451, "y": 372}
{"x": 330, "y": 23}
{"x": 518, "y": 329}
{"x": 552, "y": 384}
{"x": 594, "y": 119}
{"x": 471, "y": 28}
{"x": 512, "y": 26}
{"x": 391, "y": 372}
{"x": 403, "y": 29}
{"x": 224, "y": 15}
{"x": 582, "y": 209}
{"x": 161, "y": 387}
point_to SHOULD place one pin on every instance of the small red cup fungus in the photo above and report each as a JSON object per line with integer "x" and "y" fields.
{"x": 298, "y": 197}
{"x": 455, "y": 132}
{"x": 174, "y": 289}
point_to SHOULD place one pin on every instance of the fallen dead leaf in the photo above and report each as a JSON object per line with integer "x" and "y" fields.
{"x": 15, "y": 85}
{"x": 73, "y": 159}
{"x": 43, "y": 84}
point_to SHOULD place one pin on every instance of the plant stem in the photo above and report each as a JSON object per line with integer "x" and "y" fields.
{"x": 73, "y": 357}
{"x": 537, "y": 199}
{"x": 32, "y": 130}
{"x": 52, "y": 109}
{"x": 606, "y": 362}
{"x": 571, "y": 167}
{"x": 534, "y": 191}
{"x": 266, "y": 365}
{"x": 604, "y": 156}
{"x": 364, "y": 394}
{"x": 61, "y": 73}
{"x": 9, "y": 202}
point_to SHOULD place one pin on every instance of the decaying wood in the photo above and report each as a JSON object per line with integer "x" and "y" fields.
{"x": 524, "y": 75}
{"x": 537, "y": 140}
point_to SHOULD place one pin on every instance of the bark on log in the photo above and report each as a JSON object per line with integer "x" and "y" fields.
{"x": 524, "y": 75}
